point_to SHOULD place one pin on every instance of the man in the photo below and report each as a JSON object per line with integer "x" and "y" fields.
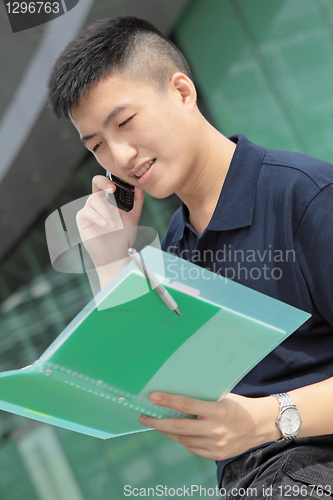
{"x": 130, "y": 94}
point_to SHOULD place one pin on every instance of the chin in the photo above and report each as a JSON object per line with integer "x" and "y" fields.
{"x": 159, "y": 189}
{"x": 160, "y": 193}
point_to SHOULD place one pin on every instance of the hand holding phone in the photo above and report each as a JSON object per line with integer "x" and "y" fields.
{"x": 106, "y": 231}
{"x": 123, "y": 197}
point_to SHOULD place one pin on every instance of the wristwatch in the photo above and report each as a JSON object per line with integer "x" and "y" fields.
{"x": 289, "y": 420}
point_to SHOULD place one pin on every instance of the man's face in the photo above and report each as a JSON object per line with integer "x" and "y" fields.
{"x": 140, "y": 134}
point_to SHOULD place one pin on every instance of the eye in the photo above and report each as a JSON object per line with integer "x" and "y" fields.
{"x": 126, "y": 121}
{"x": 96, "y": 147}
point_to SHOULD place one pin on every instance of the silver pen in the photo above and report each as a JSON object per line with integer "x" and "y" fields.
{"x": 163, "y": 293}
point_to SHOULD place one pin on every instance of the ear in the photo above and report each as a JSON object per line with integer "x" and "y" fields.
{"x": 184, "y": 87}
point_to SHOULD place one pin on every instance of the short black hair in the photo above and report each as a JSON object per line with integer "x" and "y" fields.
{"x": 111, "y": 46}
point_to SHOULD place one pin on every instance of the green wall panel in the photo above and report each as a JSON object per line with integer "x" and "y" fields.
{"x": 265, "y": 69}
{"x": 297, "y": 49}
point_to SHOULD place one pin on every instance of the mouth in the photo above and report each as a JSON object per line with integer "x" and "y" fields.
{"x": 143, "y": 169}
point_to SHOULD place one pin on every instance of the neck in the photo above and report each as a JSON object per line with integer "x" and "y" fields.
{"x": 203, "y": 187}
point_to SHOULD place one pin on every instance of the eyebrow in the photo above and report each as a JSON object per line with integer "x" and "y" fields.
{"x": 111, "y": 116}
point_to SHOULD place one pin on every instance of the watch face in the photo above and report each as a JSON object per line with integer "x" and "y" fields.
{"x": 290, "y": 421}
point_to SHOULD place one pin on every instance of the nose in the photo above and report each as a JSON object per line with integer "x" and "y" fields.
{"x": 122, "y": 154}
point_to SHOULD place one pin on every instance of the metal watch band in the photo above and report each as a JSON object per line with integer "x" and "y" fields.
{"x": 285, "y": 401}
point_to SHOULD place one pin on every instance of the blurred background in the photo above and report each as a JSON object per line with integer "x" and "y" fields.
{"x": 263, "y": 68}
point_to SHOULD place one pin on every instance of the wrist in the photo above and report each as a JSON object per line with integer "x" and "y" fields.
{"x": 109, "y": 271}
{"x": 266, "y": 428}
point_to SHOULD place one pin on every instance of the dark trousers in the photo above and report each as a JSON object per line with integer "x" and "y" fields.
{"x": 299, "y": 469}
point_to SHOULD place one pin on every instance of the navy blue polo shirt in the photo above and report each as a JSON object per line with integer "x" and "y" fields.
{"x": 272, "y": 230}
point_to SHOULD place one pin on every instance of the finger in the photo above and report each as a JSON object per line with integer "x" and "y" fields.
{"x": 109, "y": 211}
{"x": 139, "y": 198}
{"x": 184, "y": 404}
{"x": 99, "y": 203}
{"x": 98, "y": 213}
{"x": 102, "y": 183}
{"x": 89, "y": 216}
{"x": 175, "y": 426}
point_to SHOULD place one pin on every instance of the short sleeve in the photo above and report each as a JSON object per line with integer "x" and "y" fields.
{"x": 314, "y": 247}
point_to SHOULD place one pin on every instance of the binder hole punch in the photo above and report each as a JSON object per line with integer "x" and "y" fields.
{"x": 121, "y": 399}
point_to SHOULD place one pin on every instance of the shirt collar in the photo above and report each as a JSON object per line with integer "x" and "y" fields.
{"x": 235, "y": 206}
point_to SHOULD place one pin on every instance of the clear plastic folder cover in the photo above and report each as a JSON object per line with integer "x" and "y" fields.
{"x": 97, "y": 375}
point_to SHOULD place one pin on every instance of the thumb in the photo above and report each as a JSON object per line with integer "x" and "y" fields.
{"x": 139, "y": 198}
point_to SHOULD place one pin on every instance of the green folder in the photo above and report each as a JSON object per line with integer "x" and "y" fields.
{"x": 96, "y": 377}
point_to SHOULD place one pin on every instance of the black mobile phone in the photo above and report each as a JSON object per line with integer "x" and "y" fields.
{"x": 123, "y": 197}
